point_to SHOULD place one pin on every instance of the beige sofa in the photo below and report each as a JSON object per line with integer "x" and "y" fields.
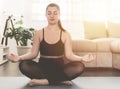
{"x": 101, "y": 40}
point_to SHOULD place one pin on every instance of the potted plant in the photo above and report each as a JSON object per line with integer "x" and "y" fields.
{"x": 22, "y": 35}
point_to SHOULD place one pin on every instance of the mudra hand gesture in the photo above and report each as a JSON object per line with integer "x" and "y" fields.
{"x": 88, "y": 58}
{"x": 13, "y": 58}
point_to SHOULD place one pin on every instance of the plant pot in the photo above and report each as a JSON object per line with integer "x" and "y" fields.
{"x": 23, "y": 49}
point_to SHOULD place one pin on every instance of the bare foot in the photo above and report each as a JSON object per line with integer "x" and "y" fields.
{"x": 37, "y": 82}
{"x": 67, "y": 82}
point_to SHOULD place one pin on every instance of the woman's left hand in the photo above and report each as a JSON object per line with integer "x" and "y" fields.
{"x": 88, "y": 58}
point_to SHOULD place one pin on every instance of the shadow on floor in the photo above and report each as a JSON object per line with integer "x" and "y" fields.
{"x": 74, "y": 86}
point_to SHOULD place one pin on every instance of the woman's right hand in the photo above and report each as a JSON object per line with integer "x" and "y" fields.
{"x": 13, "y": 57}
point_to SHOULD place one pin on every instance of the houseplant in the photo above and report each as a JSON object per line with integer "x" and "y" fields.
{"x": 22, "y": 35}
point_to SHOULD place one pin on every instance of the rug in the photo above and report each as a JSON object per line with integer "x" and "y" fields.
{"x": 78, "y": 83}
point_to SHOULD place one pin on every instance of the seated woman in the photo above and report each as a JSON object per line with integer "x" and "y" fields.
{"x": 53, "y": 42}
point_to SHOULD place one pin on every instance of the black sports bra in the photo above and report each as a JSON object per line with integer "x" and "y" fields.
{"x": 47, "y": 49}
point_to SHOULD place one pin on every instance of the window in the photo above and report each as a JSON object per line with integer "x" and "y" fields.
{"x": 70, "y": 15}
{"x": 1, "y": 18}
{"x": 39, "y": 8}
{"x": 115, "y": 10}
{"x": 74, "y": 12}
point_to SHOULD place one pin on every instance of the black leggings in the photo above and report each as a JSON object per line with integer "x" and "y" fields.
{"x": 52, "y": 69}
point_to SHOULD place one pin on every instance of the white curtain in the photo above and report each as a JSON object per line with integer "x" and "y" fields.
{"x": 73, "y": 12}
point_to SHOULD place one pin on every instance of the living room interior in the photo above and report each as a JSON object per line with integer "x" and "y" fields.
{"x": 94, "y": 26}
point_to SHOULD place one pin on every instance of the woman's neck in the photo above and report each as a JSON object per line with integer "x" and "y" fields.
{"x": 52, "y": 27}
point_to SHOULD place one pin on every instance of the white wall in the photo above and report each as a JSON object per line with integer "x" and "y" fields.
{"x": 15, "y": 8}
{"x": 23, "y": 7}
{"x": 18, "y": 8}
{"x": 1, "y": 3}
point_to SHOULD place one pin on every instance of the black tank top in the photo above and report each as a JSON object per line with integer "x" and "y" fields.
{"x": 56, "y": 49}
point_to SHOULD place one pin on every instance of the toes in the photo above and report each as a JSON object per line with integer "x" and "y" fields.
{"x": 37, "y": 82}
{"x": 67, "y": 82}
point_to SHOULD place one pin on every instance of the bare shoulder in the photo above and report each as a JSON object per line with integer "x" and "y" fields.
{"x": 38, "y": 34}
{"x": 65, "y": 36}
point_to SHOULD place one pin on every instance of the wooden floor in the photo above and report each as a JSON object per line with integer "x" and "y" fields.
{"x": 11, "y": 69}
{"x": 101, "y": 72}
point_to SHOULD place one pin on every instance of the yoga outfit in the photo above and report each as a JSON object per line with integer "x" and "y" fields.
{"x": 51, "y": 65}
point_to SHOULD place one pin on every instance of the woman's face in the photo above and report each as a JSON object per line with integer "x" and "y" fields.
{"x": 52, "y": 15}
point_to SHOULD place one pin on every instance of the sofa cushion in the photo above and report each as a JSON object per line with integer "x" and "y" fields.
{"x": 103, "y": 44}
{"x": 93, "y": 30}
{"x": 83, "y": 45}
{"x": 114, "y": 29}
{"x": 115, "y": 46}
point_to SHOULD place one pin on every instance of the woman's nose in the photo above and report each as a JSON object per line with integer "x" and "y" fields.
{"x": 52, "y": 15}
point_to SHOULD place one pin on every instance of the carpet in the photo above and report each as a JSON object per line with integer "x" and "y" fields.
{"x": 78, "y": 83}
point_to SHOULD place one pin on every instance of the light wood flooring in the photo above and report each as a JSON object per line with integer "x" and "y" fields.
{"x": 11, "y": 69}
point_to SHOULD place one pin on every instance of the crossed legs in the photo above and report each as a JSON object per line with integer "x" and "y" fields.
{"x": 38, "y": 76}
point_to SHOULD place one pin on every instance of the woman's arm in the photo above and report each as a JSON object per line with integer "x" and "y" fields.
{"x": 35, "y": 48}
{"x": 69, "y": 53}
{"x": 33, "y": 52}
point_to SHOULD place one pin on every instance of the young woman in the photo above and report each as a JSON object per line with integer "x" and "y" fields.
{"x": 53, "y": 43}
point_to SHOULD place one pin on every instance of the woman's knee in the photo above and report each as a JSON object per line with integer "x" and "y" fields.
{"x": 23, "y": 65}
{"x": 80, "y": 67}
{"x": 74, "y": 69}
